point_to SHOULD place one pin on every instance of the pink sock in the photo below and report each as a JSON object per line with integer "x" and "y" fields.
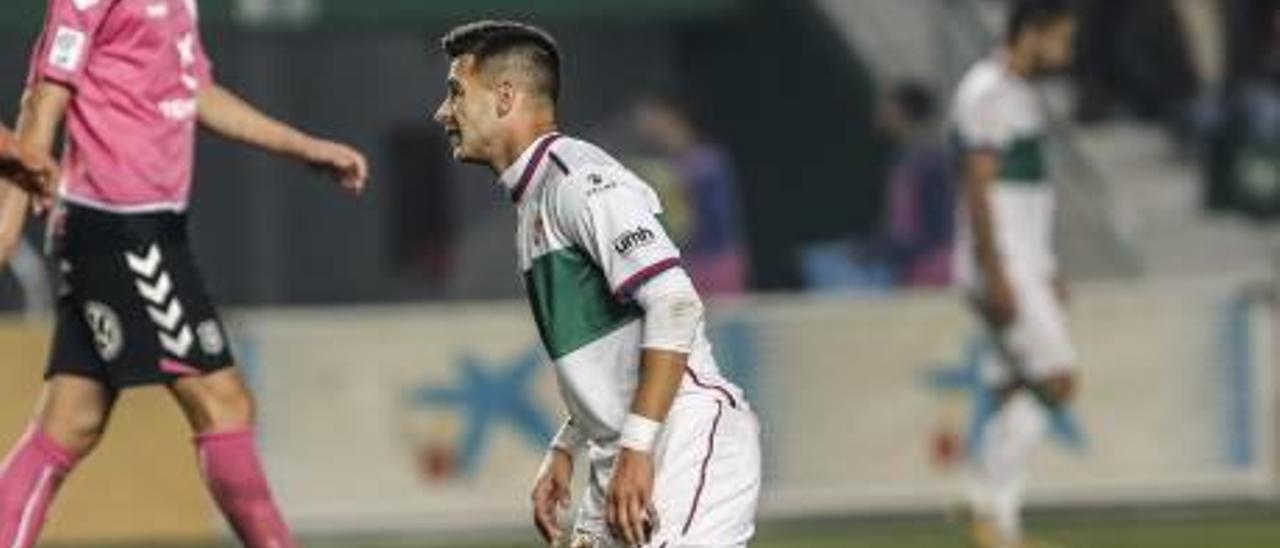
{"x": 29, "y": 478}
{"x": 229, "y": 461}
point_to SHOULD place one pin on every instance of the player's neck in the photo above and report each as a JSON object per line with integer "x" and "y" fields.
{"x": 1020, "y": 62}
{"x": 523, "y": 136}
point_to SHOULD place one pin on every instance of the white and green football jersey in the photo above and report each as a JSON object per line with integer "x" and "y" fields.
{"x": 588, "y": 235}
{"x": 998, "y": 110}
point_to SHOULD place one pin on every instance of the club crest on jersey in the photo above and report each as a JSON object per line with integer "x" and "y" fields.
{"x": 108, "y": 335}
{"x": 632, "y": 240}
{"x": 68, "y": 48}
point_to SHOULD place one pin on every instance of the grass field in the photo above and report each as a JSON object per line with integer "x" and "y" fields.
{"x": 1113, "y": 531}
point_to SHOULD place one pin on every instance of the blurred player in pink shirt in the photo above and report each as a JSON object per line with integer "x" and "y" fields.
{"x": 132, "y": 81}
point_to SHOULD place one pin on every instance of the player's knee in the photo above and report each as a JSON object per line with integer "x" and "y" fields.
{"x": 228, "y": 410}
{"x": 217, "y": 403}
{"x": 74, "y": 411}
{"x": 1060, "y": 391}
{"x": 76, "y": 428}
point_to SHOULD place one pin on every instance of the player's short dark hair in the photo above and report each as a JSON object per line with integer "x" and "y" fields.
{"x": 489, "y": 39}
{"x": 1035, "y": 14}
{"x": 916, "y": 100}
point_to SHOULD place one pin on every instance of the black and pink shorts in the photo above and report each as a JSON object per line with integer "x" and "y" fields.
{"x": 132, "y": 308}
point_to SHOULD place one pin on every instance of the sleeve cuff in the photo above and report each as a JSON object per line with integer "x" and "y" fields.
{"x": 62, "y": 79}
{"x": 570, "y": 438}
{"x": 625, "y": 290}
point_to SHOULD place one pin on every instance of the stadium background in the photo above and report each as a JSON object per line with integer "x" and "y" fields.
{"x": 403, "y": 401}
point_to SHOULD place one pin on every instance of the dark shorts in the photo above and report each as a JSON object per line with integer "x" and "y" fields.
{"x": 132, "y": 308}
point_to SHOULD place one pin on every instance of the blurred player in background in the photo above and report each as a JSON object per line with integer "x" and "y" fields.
{"x": 714, "y": 248}
{"x": 917, "y": 238}
{"x": 1006, "y": 260}
{"x": 673, "y": 447}
{"x": 132, "y": 81}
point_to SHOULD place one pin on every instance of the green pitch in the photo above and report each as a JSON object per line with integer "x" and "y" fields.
{"x": 1074, "y": 533}
{"x": 1189, "y": 531}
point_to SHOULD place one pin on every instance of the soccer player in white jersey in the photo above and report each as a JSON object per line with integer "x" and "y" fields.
{"x": 672, "y": 446}
{"x": 1006, "y": 262}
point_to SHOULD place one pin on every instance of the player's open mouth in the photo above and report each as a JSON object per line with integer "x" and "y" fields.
{"x": 455, "y": 136}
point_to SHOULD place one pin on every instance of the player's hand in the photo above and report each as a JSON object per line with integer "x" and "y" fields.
{"x": 998, "y": 303}
{"x": 629, "y": 510}
{"x": 346, "y": 165}
{"x": 551, "y": 494}
{"x": 33, "y": 171}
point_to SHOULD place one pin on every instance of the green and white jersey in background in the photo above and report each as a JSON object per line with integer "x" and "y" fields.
{"x": 997, "y": 110}
{"x": 588, "y": 235}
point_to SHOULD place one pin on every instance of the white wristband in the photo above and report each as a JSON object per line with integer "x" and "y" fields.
{"x": 639, "y": 433}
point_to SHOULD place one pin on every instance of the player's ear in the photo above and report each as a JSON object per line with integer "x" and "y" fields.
{"x": 506, "y": 98}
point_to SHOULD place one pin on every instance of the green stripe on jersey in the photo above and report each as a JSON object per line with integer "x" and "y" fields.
{"x": 572, "y": 303}
{"x": 1023, "y": 162}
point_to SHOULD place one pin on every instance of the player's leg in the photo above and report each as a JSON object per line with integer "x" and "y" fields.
{"x": 707, "y": 481}
{"x": 199, "y": 371}
{"x": 215, "y": 398}
{"x": 1007, "y": 442}
{"x": 70, "y": 418}
{"x": 220, "y": 409}
{"x": 706, "y": 484}
{"x": 71, "y": 414}
{"x": 1037, "y": 353}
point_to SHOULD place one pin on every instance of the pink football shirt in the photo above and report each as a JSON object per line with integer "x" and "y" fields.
{"x": 135, "y": 67}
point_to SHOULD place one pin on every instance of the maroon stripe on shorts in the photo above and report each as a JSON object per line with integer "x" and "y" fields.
{"x": 733, "y": 402}
{"x": 702, "y": 480}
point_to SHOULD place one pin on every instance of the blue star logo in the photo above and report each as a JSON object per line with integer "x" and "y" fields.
{"x": 966, "y": 376}
{"x": 489, "y": 395}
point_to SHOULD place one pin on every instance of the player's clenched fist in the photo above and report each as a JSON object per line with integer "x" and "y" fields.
{"x": 630, "y": 513}
{"x": 345, "y": 164}
{"x": 551, "y": 495}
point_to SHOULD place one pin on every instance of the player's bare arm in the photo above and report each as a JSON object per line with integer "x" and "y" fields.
{"x": 8, "y": 150}
{"x": 980, "y": 169}
{"x": 13, "y": 214}
{"x": 26, "y": 158}
{"x": 13, "y": 201}
{"x": 43, "y": 107}
{"x": 11, "y": 164}
{"x": 29, "y": 169}
{"x": 673, "y": 316}
{"x": 631, "y": 493}
{"x": 229, "y": 116}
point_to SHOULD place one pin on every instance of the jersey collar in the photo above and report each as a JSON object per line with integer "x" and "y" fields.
{"x": 517, "y": 178}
